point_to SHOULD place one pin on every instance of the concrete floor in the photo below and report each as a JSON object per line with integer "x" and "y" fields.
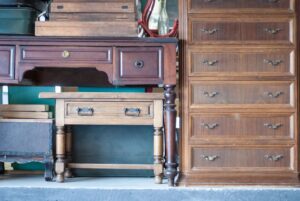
{"x": 34, "y": 188}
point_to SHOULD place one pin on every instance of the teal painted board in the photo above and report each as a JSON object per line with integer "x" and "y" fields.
{"x": 17, "y": 20}
{"x": 109, "y": 89}
{"x": 113, "y": 144}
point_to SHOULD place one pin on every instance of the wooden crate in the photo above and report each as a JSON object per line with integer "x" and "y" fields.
{"x": 92, "y": 17}
{"x": 86, "y": 6}
{"x": 75, "y": 28}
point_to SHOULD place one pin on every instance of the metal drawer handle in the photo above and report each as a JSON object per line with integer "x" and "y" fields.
{"x": 85, "y": 111}
{"x": 209, "y": 1}
{"x": 274, "y": 95}
{"x": 132, "y": 112}
{"x": 139, "y": 64}
{"x": 272, "y": 31}
{"x": 210, "y": 63}
{"x": 210, "y": 158}
{"x": 210, "y": 94}
{"x": 273, "y": 62}
{"x": 274, "y": 157}
{"x": 272, "y": 126}
{"x": 209, "y": 31}
{"x": 65, "y": 54}
{"x": 210, "y": 126}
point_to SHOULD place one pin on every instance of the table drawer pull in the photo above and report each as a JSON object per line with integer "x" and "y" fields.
{"x": 272, "y": 126}
{"x": 210, "y": 94}
{"x": 273, "y": 62}
{"x": 272, "y": 31}
{"x": 273, "y": 157}
{"x": 210, "y": 158}
{"x": 209, "y": 31}
{"x": 208, "y": 1}
{"x": 210, "y": 126}
{"x": 132, "y": 112}
{"x": 139, "y": 64}
{"x": 65, "y": 54}
{"x": 210, "y": 63}
{"x": 275, "y": 94}
{"x": 85, "y": 111}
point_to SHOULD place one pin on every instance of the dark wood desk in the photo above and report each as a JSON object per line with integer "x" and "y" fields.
{"x": 125, "y": 61}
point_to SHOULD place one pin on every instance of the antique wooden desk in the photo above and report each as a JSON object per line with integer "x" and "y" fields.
{"x": 125, "y": 61}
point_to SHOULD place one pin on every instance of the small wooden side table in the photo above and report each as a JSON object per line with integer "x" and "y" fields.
{"x": 74, "y": 108}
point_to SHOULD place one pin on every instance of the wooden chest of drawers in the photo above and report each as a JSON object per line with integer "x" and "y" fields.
{"x": 239, "y": 86}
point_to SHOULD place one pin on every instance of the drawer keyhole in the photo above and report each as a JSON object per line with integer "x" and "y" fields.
{"x": 139, "y": 64}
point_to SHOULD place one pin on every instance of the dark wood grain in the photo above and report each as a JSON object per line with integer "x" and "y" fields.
{"x": 7, "y": 64}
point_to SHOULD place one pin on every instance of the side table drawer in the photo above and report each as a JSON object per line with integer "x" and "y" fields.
{"x": 109, "y": 110}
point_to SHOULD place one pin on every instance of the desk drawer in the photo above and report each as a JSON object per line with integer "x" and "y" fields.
{"x": 251, "y": 93}
{"x": 109, "y": 109}
{"x": 140, "y": 63}
{"x": 248, "y": 158}
{"x": 66, "y": 54}
{"x": 240, "y": 125}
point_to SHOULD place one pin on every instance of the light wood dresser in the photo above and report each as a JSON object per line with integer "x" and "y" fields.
{"x": 239, "y": 81}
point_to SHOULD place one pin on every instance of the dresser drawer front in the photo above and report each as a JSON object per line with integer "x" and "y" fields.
{"x": 143, "y": 63}
{"x": 242, "y": 30}
{"x": 237, "y": 125}
{"x": 215, "y": 31}
{"x": 202, "y": 6}
{"x": 245, "y": 158}
{"x": 249, "y": 93}
{"x": 266, "y": 31}
{"x": 109, "y": 109}
{"x": 66, "y": 54}
{"x": 231, "y": 62}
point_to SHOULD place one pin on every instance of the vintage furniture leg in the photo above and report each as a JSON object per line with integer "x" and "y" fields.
{"x": 1, "y": 168}
{"x": 49, "y": 170}
{"x": 60, "y": 154}
{"x": 68, "y": 173}
{"x": 170, "y": 133}
{"x": 158, "y": 142}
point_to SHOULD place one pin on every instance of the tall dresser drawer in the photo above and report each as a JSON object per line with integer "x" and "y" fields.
{"x": 240, "y": 125}
{"x": 251, "y": 93}
{"x": 245, "y": 159}
{"x": 255, "y": 30}
{"x": 202, "y": 6}
{"x": 246, "y": 62}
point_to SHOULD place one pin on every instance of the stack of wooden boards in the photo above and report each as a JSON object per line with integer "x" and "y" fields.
{"x": 90, "y": 18}
{"x": 25, "y": 112}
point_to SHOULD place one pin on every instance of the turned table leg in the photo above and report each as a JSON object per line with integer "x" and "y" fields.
{"x": 68, "y": 173}
{"x": 60, "y": 154}
{"x": 170, "y": 133}
{"x": 158, "y": 141}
